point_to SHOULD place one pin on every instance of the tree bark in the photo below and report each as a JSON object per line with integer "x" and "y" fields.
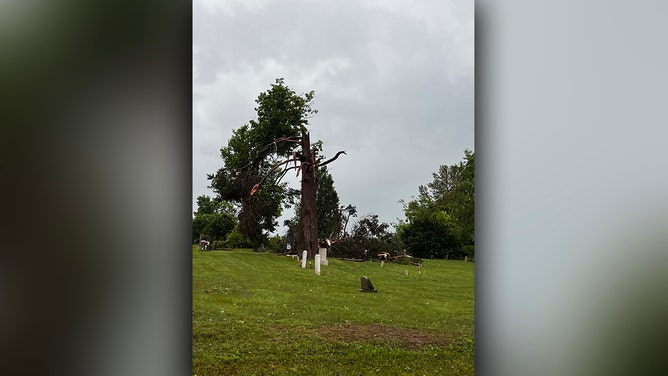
{"x": 309, "y": 214}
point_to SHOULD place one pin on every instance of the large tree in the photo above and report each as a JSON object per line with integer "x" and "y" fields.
{"x": 440, "y": 221}
{"x": 257, "y": 157}
{"x": 453, "y": 191}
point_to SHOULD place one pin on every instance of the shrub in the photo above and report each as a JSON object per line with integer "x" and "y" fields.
{"x": 277, "y": 244}
{"x": 236, "y": 240}
{"x": 469, "y": 251}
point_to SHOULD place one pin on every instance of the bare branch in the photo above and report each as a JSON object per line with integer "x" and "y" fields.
{"x": 331, "y": 159}
{"x": 293, "y": 139}
{"x": 257, "y": 186}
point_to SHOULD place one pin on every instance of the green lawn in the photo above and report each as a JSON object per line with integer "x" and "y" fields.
{"x": 261, "y": 314}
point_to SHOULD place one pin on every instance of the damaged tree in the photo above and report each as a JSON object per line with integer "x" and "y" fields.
{"x": 306, "y": 163}
{"x": 260, "y": 154}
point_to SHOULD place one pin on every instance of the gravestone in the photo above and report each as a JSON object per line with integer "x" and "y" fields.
{"x": 367, "y": 286}
{"x": 323, "y": 256}
{"x": 303, "y": 264}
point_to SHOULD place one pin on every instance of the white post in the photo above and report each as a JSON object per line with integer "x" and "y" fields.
{"x": 304, "y": 259}
{"x": 317, "y": 264}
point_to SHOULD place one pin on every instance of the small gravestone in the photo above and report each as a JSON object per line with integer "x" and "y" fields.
{"x": 323, "y": 256}
{"x": 303, "y": 263}
{"x": 382, "y": 263}
{"x": 367, "y": 286}
{"x": 406, "y": 272}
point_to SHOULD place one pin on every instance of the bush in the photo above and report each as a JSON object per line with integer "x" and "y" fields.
{"x": 236, "y": 240}
{"x": 277, "y": 244}
{"x": 469, "y": 251}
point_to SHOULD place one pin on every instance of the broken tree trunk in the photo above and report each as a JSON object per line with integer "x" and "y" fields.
{"x": 309, "y": 214}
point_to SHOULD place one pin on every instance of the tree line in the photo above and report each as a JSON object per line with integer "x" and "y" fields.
{"x": 250, "y": 195}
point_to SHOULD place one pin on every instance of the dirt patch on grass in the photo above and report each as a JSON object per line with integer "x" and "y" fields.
{"x": 374, "y": 333}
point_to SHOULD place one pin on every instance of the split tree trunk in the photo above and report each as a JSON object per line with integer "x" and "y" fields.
{"x": 309, "y": 216}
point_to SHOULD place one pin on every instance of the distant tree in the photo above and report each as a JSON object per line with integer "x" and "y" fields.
{"x": 453, "y": 190}
{"x": 367, "y": 237}
{"x": 440, "y": 221}
{"x": 205, "y": 205}
{"x": 346, "y": 213}
{"x": 327, "y": 204}
{"x": 213, "y": 220}
{"x": 277, "y": 244}
{"x": 428, "y": 233}
{"x": 369, "y": 227}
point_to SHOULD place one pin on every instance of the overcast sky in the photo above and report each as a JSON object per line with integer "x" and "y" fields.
{"x": 393, "y": 82}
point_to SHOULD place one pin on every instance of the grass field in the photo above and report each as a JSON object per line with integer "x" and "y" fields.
{"x": 261, "y": 314}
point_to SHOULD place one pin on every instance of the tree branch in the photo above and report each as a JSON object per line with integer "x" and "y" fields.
{"x": 331, "y": 159}
{"x": 293, "y": 139}
{"x": 257, "y": 186}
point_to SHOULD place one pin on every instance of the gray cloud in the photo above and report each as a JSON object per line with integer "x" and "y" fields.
{"x": 393, "y": 83}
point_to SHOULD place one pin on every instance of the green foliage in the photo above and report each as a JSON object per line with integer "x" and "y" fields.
{"x": 261, "y": 314}
{"x": 213, "y": 220}
{"x": 205, "y": 205}
{"x": 236, "y": 239}
{"x": 440, "y": 222}
{"x": 281, "y": 113}
{"x": 429, "y": 235}
{"x": 327, "y": 204}
{"x": 277, "y": 244}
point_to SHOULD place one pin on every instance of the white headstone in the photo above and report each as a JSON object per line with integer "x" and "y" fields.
{"x": 304, "y": 259}
{"x": 317, "y": 264}
{"x": 323, "y": 256}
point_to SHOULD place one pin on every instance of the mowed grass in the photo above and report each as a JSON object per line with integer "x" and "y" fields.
{"x": 261, "y": 314}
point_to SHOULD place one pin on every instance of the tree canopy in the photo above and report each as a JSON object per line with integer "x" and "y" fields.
{"x": 440, "y": 222}
{"x": 213, "y": 220}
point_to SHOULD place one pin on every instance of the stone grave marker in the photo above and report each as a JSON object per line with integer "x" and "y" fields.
{"x": 367, "y": 286}
{"x": 323, "y": 256}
